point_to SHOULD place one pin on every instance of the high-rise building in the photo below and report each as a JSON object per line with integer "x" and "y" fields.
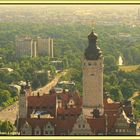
{"x": 50, "y": 47}
{"x": 138, "y": 16}
{"x": 34, "y": 49}
{"x": 23, "y": 46}
{"x": 42, "y": 45}
{"x": 27, "y": 46}
{"x": 92, "y": 77}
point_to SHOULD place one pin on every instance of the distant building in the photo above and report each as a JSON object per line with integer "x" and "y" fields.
{"x": 138, "y": 15}
{"x": 24, "y": 46}
{"x": 120, "y": 61}
{"x": 67, "y": 113}
{"x": 58, "y": 65}
{"x": 27, "y": 46}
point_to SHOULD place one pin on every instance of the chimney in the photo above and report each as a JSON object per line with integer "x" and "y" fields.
{"x": 39, "y": 116}
{"x": 38, "y": 94}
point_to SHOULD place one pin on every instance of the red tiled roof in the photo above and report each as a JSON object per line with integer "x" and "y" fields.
{"x": 97, "y": 124}
{"x": 45, "y": 100}
{"x": 64, "y": 125}
{"x": 111, "y": 121}
{"x": 111, "y": 106}
{"x": 66, "y": 97}
{"x": 69, "y": 110}
{"x": 34, "y": 122}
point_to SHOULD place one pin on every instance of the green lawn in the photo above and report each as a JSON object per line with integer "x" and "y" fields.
{"x": 129, "y": 68}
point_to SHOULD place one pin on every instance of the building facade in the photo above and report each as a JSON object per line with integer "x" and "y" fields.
{"x": 27, "y": 46}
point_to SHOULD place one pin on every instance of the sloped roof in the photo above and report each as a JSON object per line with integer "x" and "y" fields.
{"x": 69, "y": 110}
{"x": 45, "y": 100}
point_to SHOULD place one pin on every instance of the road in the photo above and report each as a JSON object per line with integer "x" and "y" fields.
{"x": 11, "y": 112}
{"x": 45, "y": 89}
{"x": 135, "y": 94}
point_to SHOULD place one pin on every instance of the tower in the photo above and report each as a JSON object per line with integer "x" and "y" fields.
{"x": 24, "y": 92}
{"x": 51, "y": 46}
{"x": 92, "y": 77}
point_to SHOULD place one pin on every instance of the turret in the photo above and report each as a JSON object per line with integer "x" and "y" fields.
{"x": 24, "y": 93}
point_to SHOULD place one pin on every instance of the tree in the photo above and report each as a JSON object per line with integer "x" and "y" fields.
{"x": 4, "y": 96}
{"x": 116, "y": 94}
{"x": 7, "y": 127}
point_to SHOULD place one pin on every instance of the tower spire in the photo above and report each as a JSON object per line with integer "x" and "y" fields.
{"x": 92, "y": 52}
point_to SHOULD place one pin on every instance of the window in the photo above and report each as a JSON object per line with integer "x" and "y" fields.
{"x": 51, "y": 132}
{"x": 116, "y": 130}
{"x": 43, "y": 107}
{"x": 79, "y": 126}
{"x": 83, "y": 126}
{"x": 37, "y": 132}
{"x": 37, "y": 107}
{"x": 46, "y": 132}
{"x": 89, "y": 64}
{"x": 23, "y": 132}
{"x": 72, "y": 115}
{"x": 48, "y": 126}
{"x": 92, "y": 74}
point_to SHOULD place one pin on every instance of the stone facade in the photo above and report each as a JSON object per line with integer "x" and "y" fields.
{"x": 23, "y": 105}
{"x": 123, "y": 126}
{"x": 26, "y": 129}
{"x": 48, "y": 129}
{"x": 81, "y": 127}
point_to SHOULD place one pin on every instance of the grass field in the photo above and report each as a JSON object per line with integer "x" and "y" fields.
{"x": 129, "y": 68}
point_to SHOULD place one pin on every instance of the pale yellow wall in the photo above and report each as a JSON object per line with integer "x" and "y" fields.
{"x": 92, "y": 84}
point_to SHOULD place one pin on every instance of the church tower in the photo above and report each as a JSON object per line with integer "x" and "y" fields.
{"x": 92, "y": 77}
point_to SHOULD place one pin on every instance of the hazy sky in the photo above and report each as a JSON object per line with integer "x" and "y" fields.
{"x": 72, "y": 6}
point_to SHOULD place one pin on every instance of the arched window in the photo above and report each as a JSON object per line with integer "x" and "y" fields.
{"x": 37, "y": 131}
{"x": 26, "y": 129}
{"x": 48, "y": 129}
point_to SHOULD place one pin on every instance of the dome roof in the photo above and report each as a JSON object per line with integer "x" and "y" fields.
{"x": 92, "y": 52}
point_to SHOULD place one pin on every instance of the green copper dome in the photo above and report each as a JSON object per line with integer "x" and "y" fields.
{"x": 92, "y": 52}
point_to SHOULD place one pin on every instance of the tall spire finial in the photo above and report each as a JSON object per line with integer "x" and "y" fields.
{"x": 92, "y": 29}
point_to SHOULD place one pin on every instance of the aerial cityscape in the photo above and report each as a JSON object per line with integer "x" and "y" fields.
{"x": 70, "y": 70}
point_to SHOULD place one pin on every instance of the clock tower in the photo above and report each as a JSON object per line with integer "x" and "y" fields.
{"x": 92, "y": 77}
